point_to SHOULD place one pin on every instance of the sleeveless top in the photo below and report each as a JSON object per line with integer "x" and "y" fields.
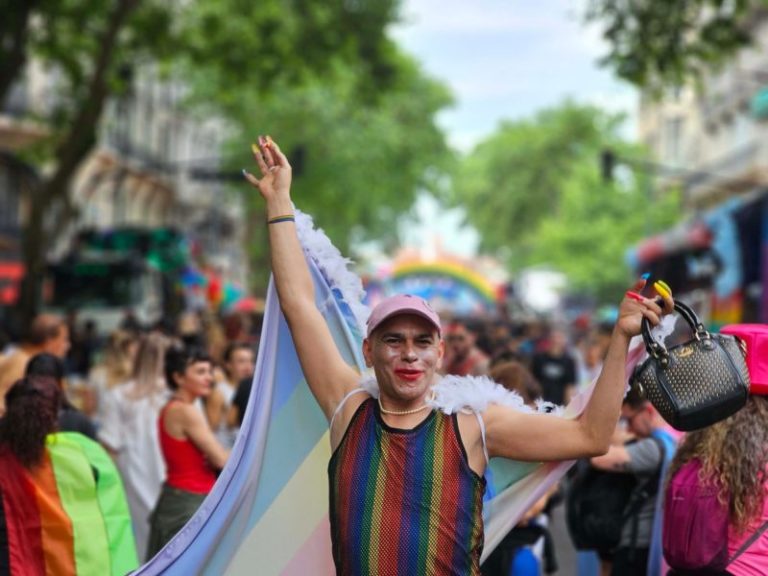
{"x": 404, "y": 502}
{"x": 186, "y": 466}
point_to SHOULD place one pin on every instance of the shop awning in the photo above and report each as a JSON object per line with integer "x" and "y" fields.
{"x": 688, "y": 236}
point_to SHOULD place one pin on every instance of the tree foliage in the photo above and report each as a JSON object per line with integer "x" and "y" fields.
{"x": 654, "y": 44}
{"x": 535, "y": 193}
{"x": 283, "y": 55}
{"x": 358, "y": 166}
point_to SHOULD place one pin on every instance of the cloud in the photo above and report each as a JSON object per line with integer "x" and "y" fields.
{"x": 476, "y": 17}
{"x": 507, "y": 59}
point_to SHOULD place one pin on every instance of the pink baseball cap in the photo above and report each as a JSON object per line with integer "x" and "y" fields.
{"x": 755, "y": 336}
{"x": 402, "y": 304}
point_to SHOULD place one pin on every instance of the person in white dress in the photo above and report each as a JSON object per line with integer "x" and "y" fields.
{"x": 129, "y": 432}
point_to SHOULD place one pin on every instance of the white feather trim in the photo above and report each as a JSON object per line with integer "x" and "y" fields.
{"x": 469, "y": 394}
{"x": 475, "y": 393}
{"x": 369, "y": 384}
{"x": 333, "y": 266}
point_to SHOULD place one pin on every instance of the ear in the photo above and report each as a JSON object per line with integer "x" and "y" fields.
{"x": 440, "y": 353}
{"x": 368, "y": 352}
{"x": 178, "y": 378}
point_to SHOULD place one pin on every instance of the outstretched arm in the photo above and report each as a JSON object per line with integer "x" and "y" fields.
{"x": 542, "y": 437}
{"x": 328, "y": 375}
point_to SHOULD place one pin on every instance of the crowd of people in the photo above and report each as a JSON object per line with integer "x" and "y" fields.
{"x": 166, "y": 405}
{"x": 408, "y": 473}
{"x": 168, "y": 412}
{"x": 116, "y": 389}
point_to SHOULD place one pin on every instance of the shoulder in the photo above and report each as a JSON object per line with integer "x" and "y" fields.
{"x": 216, "y": 397}
{"x": 349, "y": 407}
{"x": 12, "y": 367}
{"x": 644, "y": 455}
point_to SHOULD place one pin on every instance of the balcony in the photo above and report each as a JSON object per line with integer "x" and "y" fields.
{"x": 739, "y": 172}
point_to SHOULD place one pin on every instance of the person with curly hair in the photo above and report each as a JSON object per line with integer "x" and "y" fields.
{"x": 734, "y": 453}
{"x": 62, "y": 499}
{"x": 729, "y": 459}
{"x": 33, "y": 405}
{"x": 70, "y": 418}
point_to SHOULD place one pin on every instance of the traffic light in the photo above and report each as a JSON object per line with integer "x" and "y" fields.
{"x": 607, "y": 163}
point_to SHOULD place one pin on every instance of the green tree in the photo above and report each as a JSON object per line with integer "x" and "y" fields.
{"x": 588, "y": 237}
{"x": 359, "y": 164}
{"x": 656, "y": 44}
{"x": 85, "y": 43}
{"x": 90, "y": 44}
{"x": 535, "y": 193}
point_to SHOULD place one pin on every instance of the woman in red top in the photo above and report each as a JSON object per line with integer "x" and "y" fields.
{"x": 192, "y": 454}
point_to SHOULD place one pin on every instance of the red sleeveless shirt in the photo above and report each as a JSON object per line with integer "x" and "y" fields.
{"x": 186, "y": 466}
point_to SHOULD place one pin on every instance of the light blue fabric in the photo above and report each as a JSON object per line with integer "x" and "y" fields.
{"x": 655, "y": 553}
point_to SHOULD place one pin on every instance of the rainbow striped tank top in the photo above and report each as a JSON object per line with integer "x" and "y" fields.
{"x": 404, "y": 502}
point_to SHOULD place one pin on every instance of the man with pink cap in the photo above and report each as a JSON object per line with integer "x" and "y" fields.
{"x": 407, "y": 480}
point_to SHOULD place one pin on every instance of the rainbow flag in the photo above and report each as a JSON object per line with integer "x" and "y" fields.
{"x": 268, "y": 512}
{"x": 67, "y": 516}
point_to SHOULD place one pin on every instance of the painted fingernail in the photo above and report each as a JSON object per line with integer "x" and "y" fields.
{"x": 661, "y": 290}
{"x": 268, "y": 141}
{"x": 646, "y": 276}
{"x": 255, "y": 149}
{"x": 634, "y": 296}
{"x": 664, "y": 285}
{"x": 245, "y": 173}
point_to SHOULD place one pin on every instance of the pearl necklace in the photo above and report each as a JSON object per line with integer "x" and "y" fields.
{"x": 401, "y": 412}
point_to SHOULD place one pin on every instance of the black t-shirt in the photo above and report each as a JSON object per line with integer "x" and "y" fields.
{"x": 241, "y": 397}
{"x": 72, "y": 420}
{"x": 554, "y": 373}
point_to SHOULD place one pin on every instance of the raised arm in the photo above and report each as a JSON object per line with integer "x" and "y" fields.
{"x": 328, "y": 375}
{"x": 543, "y": 437}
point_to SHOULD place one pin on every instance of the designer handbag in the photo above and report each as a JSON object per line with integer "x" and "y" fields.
{"x": 698, "y": 382}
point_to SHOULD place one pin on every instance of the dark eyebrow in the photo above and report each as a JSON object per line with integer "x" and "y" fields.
{"x": 430, "y": 335}
{"x": 391, "y": 335}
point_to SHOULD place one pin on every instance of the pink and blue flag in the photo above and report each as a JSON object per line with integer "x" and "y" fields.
{"x": 268, "y": 512}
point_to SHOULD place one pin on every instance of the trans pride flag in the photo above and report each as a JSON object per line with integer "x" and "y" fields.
{"x": 268, "y": 512}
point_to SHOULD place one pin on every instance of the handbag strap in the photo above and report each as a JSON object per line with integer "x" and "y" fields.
{"x": 751, "y": 540}
{"x": 657, "y": 349}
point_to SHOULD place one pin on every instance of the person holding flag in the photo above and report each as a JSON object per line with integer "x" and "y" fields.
{"x": 406, "y": 474}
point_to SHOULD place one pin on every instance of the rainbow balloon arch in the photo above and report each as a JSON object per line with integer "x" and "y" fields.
{"x": 449, "y": 285}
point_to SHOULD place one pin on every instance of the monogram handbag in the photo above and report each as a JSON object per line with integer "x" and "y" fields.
{"x": 697, "y": 383}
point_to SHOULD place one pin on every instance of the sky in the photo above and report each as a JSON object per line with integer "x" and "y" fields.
{"x": 503, "y": 59}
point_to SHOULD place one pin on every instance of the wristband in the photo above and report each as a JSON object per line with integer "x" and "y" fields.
{"x": 282, "y": 218}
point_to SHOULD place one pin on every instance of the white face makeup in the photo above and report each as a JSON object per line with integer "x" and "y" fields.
{"x": 405, "y": 352}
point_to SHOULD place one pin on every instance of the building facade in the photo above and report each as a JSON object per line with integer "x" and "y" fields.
{"x": 145, "y": 171}
{"x": 711, "y": 141}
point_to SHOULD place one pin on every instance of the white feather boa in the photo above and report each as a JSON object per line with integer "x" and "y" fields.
{"x": 454, "y": 394}
{"x": 333, "y": 265}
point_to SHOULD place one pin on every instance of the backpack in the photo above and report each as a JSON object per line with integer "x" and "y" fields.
{"x": 599, "y": 503}
{"x": 695, "y": 529}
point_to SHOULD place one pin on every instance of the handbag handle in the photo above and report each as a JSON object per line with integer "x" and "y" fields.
{"x": 657, "y": 349}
